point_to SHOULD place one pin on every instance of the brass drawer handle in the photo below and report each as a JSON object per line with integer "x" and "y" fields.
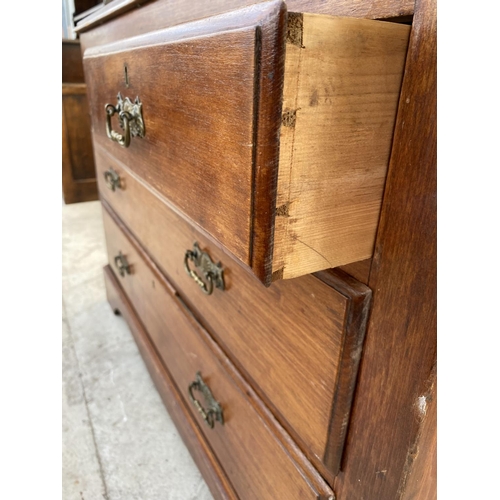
{"x": 112, "y": 179}
{"x": 214, "y": 411}
{"x": 213, "y": 273}
{"x": 130, "y": 118}
{"x": 122, "y": 264}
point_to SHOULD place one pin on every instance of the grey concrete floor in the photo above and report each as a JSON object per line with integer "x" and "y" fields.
{"x": 118, "y": 440}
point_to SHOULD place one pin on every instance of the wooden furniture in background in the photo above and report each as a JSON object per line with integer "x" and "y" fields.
{"x": 308, "y": 390}
{"x": 78, "y": 170}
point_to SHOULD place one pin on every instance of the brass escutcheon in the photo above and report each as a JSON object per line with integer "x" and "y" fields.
{"x": 122, "y": 265}
{"x": 213, "y": 273}
{"x": 112, "y": 179}
{"x": 214, "y": 411}
{"x": 130, "y": 118}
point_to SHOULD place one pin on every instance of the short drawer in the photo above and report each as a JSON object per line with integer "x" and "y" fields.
{"x": 299, "y": 340}
{"x": 256, "y": 454}
{"x": 270, "y": 130}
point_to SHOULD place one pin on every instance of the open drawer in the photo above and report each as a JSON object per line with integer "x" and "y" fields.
{"x": 270, "y": 130}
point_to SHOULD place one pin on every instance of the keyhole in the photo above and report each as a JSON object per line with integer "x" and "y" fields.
{"x": 125, "y": 71}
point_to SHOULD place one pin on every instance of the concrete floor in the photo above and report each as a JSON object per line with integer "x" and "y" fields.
{"x": 118, "y": 441}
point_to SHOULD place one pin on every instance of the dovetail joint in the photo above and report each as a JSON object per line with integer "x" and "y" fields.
{"x": 295, "y": 28}
{"x": 283, "y": 210}
{"x": 289, "y": 117}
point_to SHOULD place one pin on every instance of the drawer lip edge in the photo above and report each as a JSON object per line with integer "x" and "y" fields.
{"x": 269, "y": 101}
{"x": 359, "y": 301}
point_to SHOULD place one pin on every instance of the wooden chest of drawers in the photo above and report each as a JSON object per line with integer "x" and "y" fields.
{"x": 241, "y": 154}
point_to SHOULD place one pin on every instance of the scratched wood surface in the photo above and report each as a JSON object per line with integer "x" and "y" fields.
{"x": 421, "y": 480}
{"x": 248, "y": 445}
{"x": 400, "y": 345}
{"x": 342, "y": 82}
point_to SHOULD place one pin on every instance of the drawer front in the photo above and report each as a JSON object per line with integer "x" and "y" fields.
{"x": 258, "y": 457}
{"x": 301, "y": 349}
{"x": 198, "y": 88}
{"x": 270, "y": 130}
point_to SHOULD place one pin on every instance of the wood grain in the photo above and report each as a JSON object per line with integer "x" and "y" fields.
{"x": 256, "y": 461}
{"x": 268, "y": 97}
{"x": 342, "y": 82}
{"x": 400, "y": 345}
{"x": 148, "y": 15}
{"x": 177, "y": 407}
{"x": 202, "y": 149}
{"x": 332, "y": 159}
{"x": 78, "y": 170}
{"x": 306, "y": 337}
{"x": 420, "y": 482}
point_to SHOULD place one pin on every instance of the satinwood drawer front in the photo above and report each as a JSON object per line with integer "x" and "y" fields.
{"x": 270, "y": 130}
{"x": 258, "y": 457}
{"x": 298, "y": 340}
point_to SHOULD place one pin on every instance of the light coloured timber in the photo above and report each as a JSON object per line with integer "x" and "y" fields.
{"x": 341, "y": 90}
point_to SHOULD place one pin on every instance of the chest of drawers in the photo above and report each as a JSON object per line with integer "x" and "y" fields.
{"x": 241, "y": 154}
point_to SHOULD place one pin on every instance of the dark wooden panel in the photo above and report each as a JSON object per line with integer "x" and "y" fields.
{"x": 201, "y": 148}
{"x": 76, "y": 115}
{"x": 72, "y": 67}
{"x": 302, "y": 325}
{"x": 201, "y": 452}
{"x": 78, "y": 170}
{"x": 400, "y": 345}
{"x": 256, "y": 462}
{"x": 160, "y": 14}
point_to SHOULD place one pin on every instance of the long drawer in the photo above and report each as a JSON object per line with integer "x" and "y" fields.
{"x": 299, "y": 341}
{"x": 271, "y": 130}
{"x": 256, "y": 454}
